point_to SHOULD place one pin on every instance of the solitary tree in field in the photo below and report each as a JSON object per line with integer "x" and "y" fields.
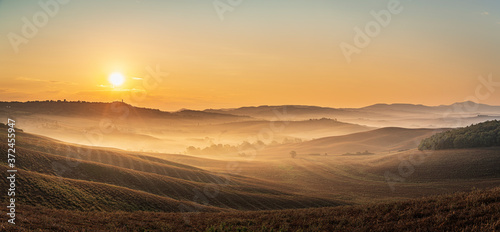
{"x": 293, "y": 154}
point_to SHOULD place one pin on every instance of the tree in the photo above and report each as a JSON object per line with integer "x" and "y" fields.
{"x": 293, "y": 154}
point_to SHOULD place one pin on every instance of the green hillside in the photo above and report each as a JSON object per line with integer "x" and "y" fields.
{"x": 486, "y": 134}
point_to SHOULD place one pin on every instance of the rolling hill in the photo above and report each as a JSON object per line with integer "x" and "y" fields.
{"x": 123, "y": 126}
{"x": 375, "y": 111}
{"x": 102, "y": 109}
{"x": 76, "y": 173}
{"x": 378, "y": 140}
{"x": 305, "y": 129}
{"x": 116, "y": 124}
{"x": 230, "y": 192}
{"x": 380, "y": 115}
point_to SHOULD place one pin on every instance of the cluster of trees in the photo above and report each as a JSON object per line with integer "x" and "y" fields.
{"x": 294, "y": 154}
{"x": 323, "y": 119}
{"x": 60, "y": 101}
{"x": 4, "y": 126}
{"x": 366, "y": 152}
{"x": 244, "y": 149}
{"x": 53, "y": 101}
{"x": 226, "y": 149}
{"x": 485, "y": 134}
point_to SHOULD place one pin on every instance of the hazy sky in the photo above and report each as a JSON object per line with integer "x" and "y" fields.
{"x": 258, "y": 52}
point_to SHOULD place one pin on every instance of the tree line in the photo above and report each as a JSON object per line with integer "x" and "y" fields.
{"x": 485, "y": 134}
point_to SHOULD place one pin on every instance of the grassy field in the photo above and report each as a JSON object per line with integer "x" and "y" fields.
{"x": 477, "y": 210}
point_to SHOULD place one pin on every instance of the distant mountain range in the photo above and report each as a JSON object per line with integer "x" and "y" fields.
{"x": 379, "y": 115}
{"x": 377, "y": 109}
{"x": 35, "y": 113}
{"x": 264, "y": 111}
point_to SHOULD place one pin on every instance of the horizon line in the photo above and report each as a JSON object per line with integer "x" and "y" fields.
{"x": 247, "y": 106}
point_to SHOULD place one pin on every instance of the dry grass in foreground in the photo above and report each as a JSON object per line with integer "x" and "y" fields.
{"x": 478, "y": 210}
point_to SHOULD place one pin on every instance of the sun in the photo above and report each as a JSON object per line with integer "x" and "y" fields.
{"x": 116, "y": 79}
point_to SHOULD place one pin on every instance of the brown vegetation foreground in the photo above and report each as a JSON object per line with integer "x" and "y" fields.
{"x": 478, "y": 210}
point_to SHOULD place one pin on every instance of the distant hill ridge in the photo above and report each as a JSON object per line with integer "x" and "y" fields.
{"x": 50, "y": 105}
{"x": 82, "y": 108}
{"x": 381, "y": 110}
{"x": 374, "y": 106}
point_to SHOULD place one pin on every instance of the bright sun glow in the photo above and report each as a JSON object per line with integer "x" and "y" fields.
{"x": 116, "y": 79}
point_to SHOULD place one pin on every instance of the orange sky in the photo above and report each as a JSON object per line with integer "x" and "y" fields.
{"x": 284, "y": 52}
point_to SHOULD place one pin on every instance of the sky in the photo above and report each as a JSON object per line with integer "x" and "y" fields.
{"x": 176, "y": 54}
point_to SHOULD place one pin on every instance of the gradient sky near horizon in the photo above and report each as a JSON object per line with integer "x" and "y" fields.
{"x": 262, "y": 53}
